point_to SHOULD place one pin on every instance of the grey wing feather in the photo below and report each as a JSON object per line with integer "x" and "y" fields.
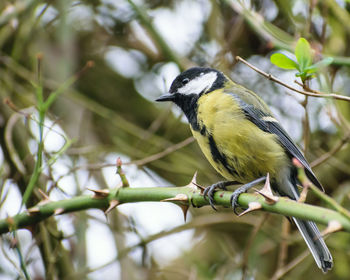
{"x": 289, "y": 145}
{"x": 256, "y": 116}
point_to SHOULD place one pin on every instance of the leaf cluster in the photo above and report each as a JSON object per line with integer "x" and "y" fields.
{"x": 304, "y": 61}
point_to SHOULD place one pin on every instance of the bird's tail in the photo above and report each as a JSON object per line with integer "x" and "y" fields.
{"x": 308, "y": 229}
{"x": 316, "y": 244}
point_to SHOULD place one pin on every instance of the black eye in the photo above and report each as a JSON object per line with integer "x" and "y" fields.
{"x": 185, "y": 81}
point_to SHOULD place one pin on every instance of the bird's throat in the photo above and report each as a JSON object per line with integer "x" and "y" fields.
{"x": 189, "y": 105}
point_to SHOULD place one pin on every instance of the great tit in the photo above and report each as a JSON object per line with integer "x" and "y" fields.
{"x": 243, "y": 141}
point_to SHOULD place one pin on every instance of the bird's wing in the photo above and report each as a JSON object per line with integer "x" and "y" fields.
{"x": 269, "y": 124}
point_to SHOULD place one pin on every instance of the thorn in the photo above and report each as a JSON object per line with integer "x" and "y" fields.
{"x": 184, "y": 209}
{"x": 13, "y": 243}
{"x": 10, "y": 221}
{"x": 201, "y": 188}
{"x": 252, "y": 206}
{"x": 193, "y": 184}
{"x": 87, "y": 66}
{"x": 7, "y": 101}
{"x": 112, "y": 204}
{"x": 58, "y": 211}
{"x": 178, "y": 197}
{"x": 99, "y": 193}
{"x": 44, "y": 201}
{"x": 194, "y": 179}
{"x": 333, "y": 226}
{"x": 266, "y": 192}
{"x": 46, "y": 198}
{"x": 34, "y": 210}
{"x": 44, "y": 195}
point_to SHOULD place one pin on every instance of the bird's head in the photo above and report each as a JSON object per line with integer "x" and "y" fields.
{"x": 193, "y": 83}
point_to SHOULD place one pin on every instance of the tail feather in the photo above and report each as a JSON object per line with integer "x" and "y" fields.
{"x": 308, "y": 229}
{"x": 316, "y": 244}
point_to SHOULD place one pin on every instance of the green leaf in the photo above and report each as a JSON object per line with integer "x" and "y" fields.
{"x": 303, "y": 54}
{"x": 283, "y": 61}
{"x": 319, "y": 65}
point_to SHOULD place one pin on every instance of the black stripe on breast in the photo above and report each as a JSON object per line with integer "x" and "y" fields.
{"x": 219, "y": 157}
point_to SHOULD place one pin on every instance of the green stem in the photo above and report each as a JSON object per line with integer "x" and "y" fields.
{"x": 43, "y": 107}
{"x": 37, "y": 167}
{"x": 330, "y": 201}
{"x": 21, "y": 259}
{"x": 189, "y": 196}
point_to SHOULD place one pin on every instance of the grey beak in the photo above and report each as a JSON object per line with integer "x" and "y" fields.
{"x": 166, "y": 97}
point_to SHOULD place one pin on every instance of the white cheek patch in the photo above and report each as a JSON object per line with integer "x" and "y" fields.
{"x": 200, "y": 84}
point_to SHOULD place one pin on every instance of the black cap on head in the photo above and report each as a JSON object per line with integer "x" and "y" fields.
{"x": 194, "y": 82}
{"x": 188, "y": 75}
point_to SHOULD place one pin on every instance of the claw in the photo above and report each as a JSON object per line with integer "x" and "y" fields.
{"x": 243, "y": 189}
{"x": 205, "y": 192}
{"x": 212, "y": 202}
{"x": 233, "y": 200}
{"x": 209, "y": 193}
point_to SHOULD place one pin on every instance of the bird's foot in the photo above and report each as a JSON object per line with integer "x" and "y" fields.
{"x": 209, "y": 191}
{"x": 243, "y": 189}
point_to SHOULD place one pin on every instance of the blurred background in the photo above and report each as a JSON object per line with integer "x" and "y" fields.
{"x": 138, "y": 48}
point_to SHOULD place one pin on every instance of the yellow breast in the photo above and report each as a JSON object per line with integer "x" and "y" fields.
{"x": 234, "y": 146}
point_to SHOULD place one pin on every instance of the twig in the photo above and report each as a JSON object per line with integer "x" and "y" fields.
{"x": 138, "y": 162}
{"x": 28, "y": 114}
{"x": 307, "y": 93}
{"x": 275, "y": 36}
{"x": 78, "y": 97}
{"x": 306, "y": 126}
{"x": 161, "y": 154}
{"x": 9, "y": 140}
{"x": 198, "y": 222}
{"x": 279, "y": 273}
{"x": 332, "y": 152}
{"x": 20, "y": 257}
{"x": 331, "y": 202}
{"x": 252, "y": 237}
{"x": 308, "y": 24}
{"x": 283, "y": 251}
{"x": 6, "y": 252}
{"x": 120, "y": 172}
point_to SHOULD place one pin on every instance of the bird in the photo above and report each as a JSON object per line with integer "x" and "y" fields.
{"x": 244, "y": 142}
